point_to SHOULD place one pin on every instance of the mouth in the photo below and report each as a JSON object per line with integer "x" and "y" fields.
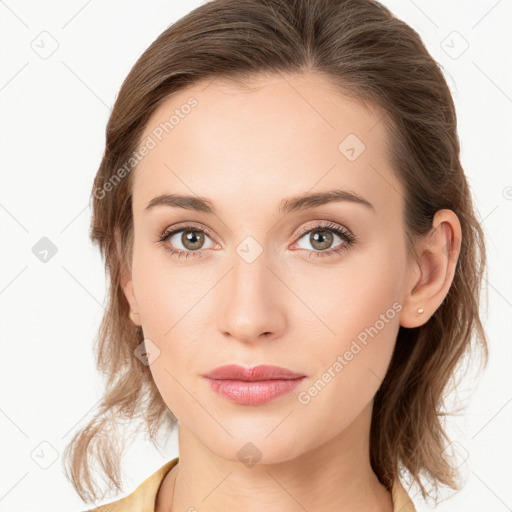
{"x": 257, "y": 373}
{"x": 253, "y": 392}
{"x": 253, "y": 386}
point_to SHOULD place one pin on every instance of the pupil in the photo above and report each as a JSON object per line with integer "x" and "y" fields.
{"x": 318, "y": 236}
{"x": 192, "y": 239}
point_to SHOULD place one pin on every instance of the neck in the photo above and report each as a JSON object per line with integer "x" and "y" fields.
{"x": 336, "y": 476}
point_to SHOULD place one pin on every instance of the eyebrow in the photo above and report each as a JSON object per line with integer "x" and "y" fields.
{"x": 292, "y": 204}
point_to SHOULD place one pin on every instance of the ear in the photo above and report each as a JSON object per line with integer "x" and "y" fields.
{"x": 431, "y": 275}
{"x": 126, "y": 280}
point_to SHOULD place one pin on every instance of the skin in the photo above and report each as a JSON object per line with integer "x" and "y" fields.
{"x": 246, "y": 151}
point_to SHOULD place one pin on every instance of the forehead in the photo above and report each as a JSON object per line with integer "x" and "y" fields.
{"x": 267, "y": 139}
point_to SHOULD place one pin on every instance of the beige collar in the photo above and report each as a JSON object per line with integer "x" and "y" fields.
{"x": 144, "y": 497}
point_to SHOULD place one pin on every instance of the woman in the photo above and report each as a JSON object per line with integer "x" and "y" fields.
{"x": 294, "y": 258}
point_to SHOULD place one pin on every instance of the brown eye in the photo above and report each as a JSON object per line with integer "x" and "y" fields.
{"x": 186, "y": 241}
{"x": 192, "y": 240}
{"x": 321, "y": 239}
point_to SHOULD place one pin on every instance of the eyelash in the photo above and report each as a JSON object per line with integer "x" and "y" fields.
{"x": 348, "y": 238}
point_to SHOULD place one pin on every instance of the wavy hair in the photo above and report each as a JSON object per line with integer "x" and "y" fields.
{"x": 369, "y": 54}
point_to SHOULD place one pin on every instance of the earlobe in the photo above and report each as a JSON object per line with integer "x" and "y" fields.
{"x": 438, "y": 253}
{"x": 126, "y": 282}
{"x": 127, "y": 285}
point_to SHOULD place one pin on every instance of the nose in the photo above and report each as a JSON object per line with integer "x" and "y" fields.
{"x": 251, "y": 302}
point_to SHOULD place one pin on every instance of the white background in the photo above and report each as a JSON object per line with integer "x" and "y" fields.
{"x": 52, "y": 121}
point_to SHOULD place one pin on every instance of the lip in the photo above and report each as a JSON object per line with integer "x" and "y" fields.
{"x": 252, "y": 386}
{"x": 261, "y": 372}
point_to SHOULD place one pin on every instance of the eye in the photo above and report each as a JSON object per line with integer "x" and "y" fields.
{"x": 185, "y": 240}
{"x": 188, "y": 241}
{"x": 322, "y": 236}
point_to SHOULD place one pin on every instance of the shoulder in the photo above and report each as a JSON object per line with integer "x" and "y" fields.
{"x": 143, "y": 497}
{"x": 401, "y": 500}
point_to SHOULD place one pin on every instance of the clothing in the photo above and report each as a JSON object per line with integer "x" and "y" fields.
{"x": 144, "y": 497}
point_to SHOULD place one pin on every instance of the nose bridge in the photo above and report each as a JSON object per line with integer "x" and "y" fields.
{"x": 250, "y": 304}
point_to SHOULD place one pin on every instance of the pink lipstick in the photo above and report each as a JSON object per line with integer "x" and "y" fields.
{"x": 252, "y": 386}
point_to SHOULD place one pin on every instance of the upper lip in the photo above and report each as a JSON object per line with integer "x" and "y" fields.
{"x": 261, "y": 372}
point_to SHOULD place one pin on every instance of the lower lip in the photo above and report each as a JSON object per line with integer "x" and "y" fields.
{"x": 253, "y": 393}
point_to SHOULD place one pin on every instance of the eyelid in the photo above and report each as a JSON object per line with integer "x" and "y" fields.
{"x": 317, "y": 224}
{"x": 312, "y": 226}
{"x": 182, "y": 226}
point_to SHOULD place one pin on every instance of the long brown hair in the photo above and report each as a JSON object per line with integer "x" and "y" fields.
{"x": 364, "y": 50}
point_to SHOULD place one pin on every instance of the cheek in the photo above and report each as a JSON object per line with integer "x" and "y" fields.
{"x": 166, "y": 290}
{"x": 347, "y": 321}
{"x": 171, "y": 301}
{"x": 359, "y": 307}
{"x": 176, "y": 371}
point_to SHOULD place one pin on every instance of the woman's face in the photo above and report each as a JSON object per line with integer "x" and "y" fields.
{"x": 271, "y": 280}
